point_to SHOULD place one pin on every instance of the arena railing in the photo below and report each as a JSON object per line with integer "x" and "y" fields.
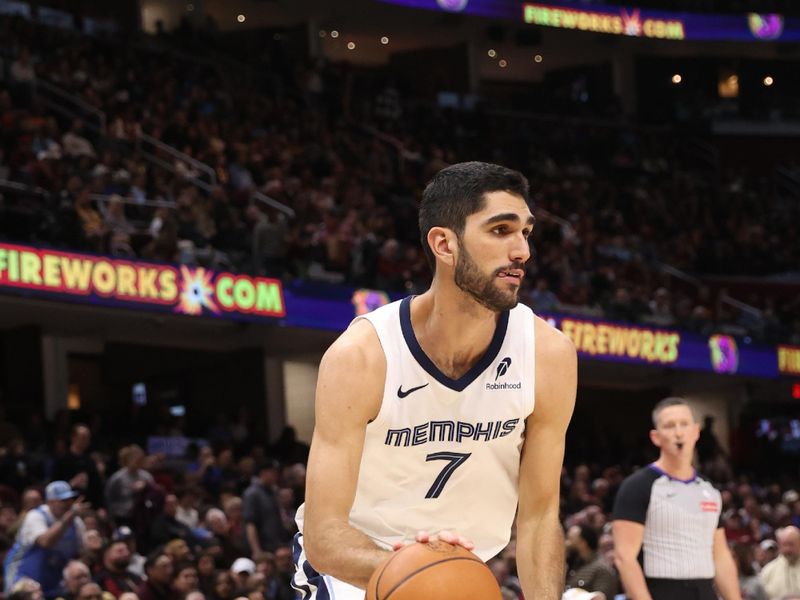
{"x": 148, "y": 140}
{"x": 70, "y": 105}
{"x": 149, "y": 147}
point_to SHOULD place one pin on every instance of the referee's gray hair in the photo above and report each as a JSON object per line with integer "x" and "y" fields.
{"x": 666, "y": 403}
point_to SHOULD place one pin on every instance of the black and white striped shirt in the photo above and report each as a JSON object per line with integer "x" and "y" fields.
{"x": 679, "y": 518}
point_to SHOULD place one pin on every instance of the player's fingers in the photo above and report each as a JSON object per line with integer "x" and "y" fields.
{"x": 447, "y": 536}
{"x": 424, "y": 537}
{"x": 457, "y": 540}
{"x": 465, "y": 542}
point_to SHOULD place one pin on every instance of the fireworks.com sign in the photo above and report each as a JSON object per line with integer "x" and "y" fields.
{"x": 136, "y": 284}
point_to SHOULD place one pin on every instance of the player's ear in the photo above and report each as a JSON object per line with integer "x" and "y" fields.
{"x": 443, "y": 244}
{"x": 654, "y": 438}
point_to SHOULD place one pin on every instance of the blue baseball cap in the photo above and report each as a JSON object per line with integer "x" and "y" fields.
{"x": 59, "y": 490}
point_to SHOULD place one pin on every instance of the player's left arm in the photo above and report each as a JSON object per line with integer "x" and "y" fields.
{"x": 540, "y": 539}
{"x": 725, "y": 573}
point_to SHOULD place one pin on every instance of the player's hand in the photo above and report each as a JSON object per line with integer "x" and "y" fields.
{"x": 450, "y": 537}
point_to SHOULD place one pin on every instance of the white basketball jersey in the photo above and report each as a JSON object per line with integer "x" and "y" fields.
{"x": 445, "y": 453}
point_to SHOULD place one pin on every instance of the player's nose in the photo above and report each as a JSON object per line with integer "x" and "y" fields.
{"x": 521, "y": 249}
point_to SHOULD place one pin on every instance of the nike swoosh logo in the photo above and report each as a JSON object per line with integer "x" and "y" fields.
{"x": 403, "y": 394}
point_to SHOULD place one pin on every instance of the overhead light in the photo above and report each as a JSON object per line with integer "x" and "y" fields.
{"x": 351, "y": 45}
{"x": 241, "y": 18}
{"x": 503, "y": 63}
{"x": 768, "y": 80}
{"x": 189, "y": 7}
{"x": 538, "y": 58}
{"x": 322, "y": 33}
{"x": 492, "y": 53}
{"x": 676, "y": 79}
{"x": 334, "y": 34}
{"x": 384, "y": 40}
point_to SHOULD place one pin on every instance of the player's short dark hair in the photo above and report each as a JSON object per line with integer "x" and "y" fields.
{"x": 589, "y": 536}
{"x": 666, "y": 403}
{"x": 460, "y": 190}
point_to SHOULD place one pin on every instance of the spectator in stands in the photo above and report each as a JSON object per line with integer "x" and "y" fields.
{"x": 542, "y": 297}
{"x": 269, "y": 234}
{"x": 178, "y": 550}
{"x": 115, "y": 577}
{"x": 125, "y": 534}
{"x": 261, "y": 511}
{"x": 78, "y": 468}
{"x": 232, "y": 507}
{"x": 158, "y": 585}
{"x": 224, "y": 586}
{"x": 75, "y": 145}
{"x": 242, "y": 570}
{"x": 31, "y": 498}
{"x": 217, "y": 524}
{"x": 586, "y": 569}
{"x": 129, "y": 480}
{"x": 186, "y": 512}
{"x": 284, "y": 571}
{"x": 75, "y": 574}
{"x": 49, "y": 538}
{"x": 91, "y": 591}
{"x": 765, "y": 552}
{"x": 17, "y": 468}
{"x": 781, "y": 577}
{"x": 92, "y": 555}
{"x": 206, "y": 572}
{"x": 166, "y": 526}
{"x": 29, "y": 588}
{"x": 185, "y": 579}
{"x": 288, "y": 449}
{"x": 748, "y": 578}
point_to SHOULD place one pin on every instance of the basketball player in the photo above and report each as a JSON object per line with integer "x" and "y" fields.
{"x": 672, "y": 514}
{"x": 442, "y": 412}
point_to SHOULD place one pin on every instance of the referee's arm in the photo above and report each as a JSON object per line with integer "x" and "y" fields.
{"x": 628, "y": 536}
{"x": 725, "y": 575}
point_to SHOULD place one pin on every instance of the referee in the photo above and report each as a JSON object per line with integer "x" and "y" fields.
{"x": 671, "y": 516}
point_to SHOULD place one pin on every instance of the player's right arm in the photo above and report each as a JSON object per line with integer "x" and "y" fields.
{"x": 628, "y": 537}
{"x": 349, "y": 394}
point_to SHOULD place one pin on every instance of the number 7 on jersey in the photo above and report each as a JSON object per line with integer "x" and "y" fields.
{"x": 454, "y": 460}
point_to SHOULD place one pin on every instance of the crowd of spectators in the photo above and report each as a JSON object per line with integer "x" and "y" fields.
{"x": 211, "y": 524}
{"x": 216, "y": 522}
{"x": 349, "y": 153}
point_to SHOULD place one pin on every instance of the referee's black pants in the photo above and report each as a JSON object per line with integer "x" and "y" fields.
{"x": 681, "y": 589}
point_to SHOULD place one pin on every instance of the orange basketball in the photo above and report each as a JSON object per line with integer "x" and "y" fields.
{"x": 433, "y": 571}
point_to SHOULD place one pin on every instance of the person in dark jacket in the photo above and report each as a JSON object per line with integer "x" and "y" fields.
{"x": 166, "y": 527}
{"x": 79, "y": 469}
{"x": 158, "y": 586}
{"x": 264, "y": 528}
{"x": 114, "y": 576}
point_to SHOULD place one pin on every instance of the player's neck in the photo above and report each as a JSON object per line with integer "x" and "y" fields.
{"x": 676, "y": 467}
{"x": 453, "y": 332}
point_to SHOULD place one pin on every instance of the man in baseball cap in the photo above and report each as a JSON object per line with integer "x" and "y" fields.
{"x": 50, "y": 536}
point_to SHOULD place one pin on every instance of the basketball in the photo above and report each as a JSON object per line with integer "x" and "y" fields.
{"x": 433, "y": 571}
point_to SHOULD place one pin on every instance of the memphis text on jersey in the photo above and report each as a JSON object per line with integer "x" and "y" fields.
{"x": 450, "y": 431}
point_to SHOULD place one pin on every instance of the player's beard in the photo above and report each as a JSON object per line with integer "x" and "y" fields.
{"x": 483, "y": 288}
